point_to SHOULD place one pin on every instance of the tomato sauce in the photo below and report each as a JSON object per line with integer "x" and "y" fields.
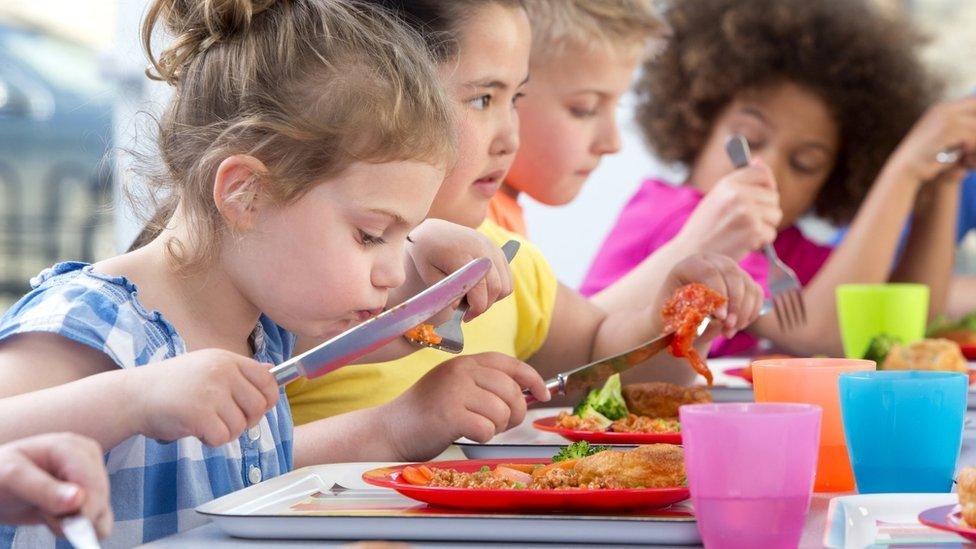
{"x": 682, "y": 314}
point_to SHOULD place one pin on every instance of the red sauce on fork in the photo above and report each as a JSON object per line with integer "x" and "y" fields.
{"x": 682, "y": 314}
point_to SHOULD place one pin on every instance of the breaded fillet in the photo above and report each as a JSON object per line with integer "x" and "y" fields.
{"x": 659, "y": 399}
{"x": 927, "y": 354}
{"x": 966, "y": 486}
{"x": 650, "y": 466}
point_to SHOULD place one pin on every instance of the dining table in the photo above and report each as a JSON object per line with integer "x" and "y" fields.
{"x": 209, "y": 536}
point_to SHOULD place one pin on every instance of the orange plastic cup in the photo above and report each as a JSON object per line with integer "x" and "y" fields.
{"x": 814, "y": 381}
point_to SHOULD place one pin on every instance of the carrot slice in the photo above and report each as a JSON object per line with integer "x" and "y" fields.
{"x": 565, "y": 464}
{"x": 414, "y": 476}
{"x": 524, "y": 467}
{"x": 513, "y": 475}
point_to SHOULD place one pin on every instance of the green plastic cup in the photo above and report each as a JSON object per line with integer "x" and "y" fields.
{"x": 868, "y": 310}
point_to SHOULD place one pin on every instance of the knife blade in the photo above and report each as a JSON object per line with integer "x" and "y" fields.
{"x": 595, "y": 373}
{"x": 385, "y": 327}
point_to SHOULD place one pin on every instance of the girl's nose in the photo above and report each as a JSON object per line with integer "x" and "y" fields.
{"x": 389, "y": 272}
{"x": 608, "y": 139}
{"x": 506, "y": 139}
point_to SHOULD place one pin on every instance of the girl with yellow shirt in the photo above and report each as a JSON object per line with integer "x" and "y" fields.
{"x": 483, "y": 51}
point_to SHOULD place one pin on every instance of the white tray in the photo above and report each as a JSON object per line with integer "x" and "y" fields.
{"x": 263, "y": 511}
{"x": 879, "y": 520}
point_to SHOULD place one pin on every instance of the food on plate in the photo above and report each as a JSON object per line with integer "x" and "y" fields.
{"x": 578, "y": 450}
{"x": 927, "y": 354}
{"x": 962, "y": 331}
{"x": 423, "y": 333}
{"x": 880, "y": 346}
{"x": 601, "y": 407}
{"x": 650, "y": 466}
{"x": 638, "y": 408}
{"x": 682, "y": 314}
{"x": 966, "y": 486}
{"x": 657, "y": 399}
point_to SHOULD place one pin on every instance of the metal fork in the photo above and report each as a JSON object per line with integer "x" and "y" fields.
{"x": 784, "y": 286}
{"x": 452, "y": 338}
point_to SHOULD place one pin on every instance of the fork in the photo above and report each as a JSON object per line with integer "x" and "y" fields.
{"x": 452, "y": 338}
{"x": 784, "y": 286}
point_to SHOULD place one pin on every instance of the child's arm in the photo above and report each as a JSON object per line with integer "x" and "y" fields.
{"x": 474, "y": 396}
{"x": 46, "y": 477}
{"x": 581, "y": 332}
{"x": 736, "y": 217}
{"x": 930, "y": 251}
{"x": 50, "y": 384}
{"x": 962, "y": 296}
{"x": 868, "y": 250}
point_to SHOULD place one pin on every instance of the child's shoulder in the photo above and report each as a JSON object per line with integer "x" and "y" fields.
{"x": 73, "y": 300}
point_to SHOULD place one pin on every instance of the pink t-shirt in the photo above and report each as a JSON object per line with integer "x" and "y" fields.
{"x": 655, "y": 215}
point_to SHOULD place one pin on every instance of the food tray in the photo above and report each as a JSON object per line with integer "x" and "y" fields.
{"x": 350, "y": 509}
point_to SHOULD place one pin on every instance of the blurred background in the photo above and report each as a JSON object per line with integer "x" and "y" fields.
{"x": 73, "y": 95}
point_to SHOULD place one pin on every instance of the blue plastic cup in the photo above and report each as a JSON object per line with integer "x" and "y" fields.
{"x": 903, "y": 428}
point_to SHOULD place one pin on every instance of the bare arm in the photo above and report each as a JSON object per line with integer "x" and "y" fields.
{"x": 930, "y": 253}
{"x": 962, "y": 296}
{"x": 52, "y": 384}
{"x": 361, "y": 435}
{"x": 581, "y": 332}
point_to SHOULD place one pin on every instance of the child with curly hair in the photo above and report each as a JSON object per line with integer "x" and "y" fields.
{"x": 824, "y": 91}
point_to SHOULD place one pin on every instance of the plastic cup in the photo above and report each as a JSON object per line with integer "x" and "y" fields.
{"x": 750, "y": 470}
{"x": 814, "y": 381}
{"x": 903, "y": 428}
{"x": 867, "y": 310}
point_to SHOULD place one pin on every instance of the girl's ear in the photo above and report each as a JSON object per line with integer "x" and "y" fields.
{"x": 237, "y": 185}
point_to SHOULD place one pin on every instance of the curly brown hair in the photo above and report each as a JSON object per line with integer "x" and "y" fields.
{"x": 862, "y": 63}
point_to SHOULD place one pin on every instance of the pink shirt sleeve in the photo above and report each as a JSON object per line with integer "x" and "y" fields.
{"x": 652, "y": 217}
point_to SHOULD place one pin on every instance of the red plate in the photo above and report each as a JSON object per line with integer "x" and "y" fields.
{"x": 947, "y": 518}
{"x": 740, "y": 373}
{"x": 605, "y": 437}
{"x": 485, "y": 499}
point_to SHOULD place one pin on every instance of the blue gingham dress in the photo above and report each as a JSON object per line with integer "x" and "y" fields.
{"x": 155, "y": 485}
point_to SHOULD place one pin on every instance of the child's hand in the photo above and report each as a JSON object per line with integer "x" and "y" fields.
{"x": 212, "y": 394}
{"x": 944, "y": 126}
{"x": 475, "y": 396}
{"x": 722, "y": 274}
{"x": 739, "y": 215}
{"x": 440, "y": 247}
{"x": 46, "y": 477}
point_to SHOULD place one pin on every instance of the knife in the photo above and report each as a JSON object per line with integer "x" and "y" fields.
{"x": 380, "y": 330}
{"x": 597, "y": 372}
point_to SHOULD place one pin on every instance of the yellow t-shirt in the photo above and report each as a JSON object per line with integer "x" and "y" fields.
{"x": 516, "y": 326}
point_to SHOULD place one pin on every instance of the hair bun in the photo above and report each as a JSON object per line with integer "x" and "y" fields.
{"x": 195, "y": 25}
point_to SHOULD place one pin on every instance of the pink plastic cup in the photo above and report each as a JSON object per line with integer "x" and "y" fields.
{"x": 750, "y": 471}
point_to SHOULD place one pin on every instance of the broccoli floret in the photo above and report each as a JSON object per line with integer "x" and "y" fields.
{"x": 880, "y": 346}
{"x": 578, "y": 450}
{"x": 968, "y": 322}
{"x": 485, "y": 469}
{"x": 608, "y": 401}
